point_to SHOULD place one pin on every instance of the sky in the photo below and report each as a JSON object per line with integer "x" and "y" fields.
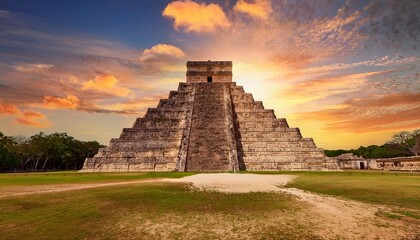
{"x": 347, "y": 73}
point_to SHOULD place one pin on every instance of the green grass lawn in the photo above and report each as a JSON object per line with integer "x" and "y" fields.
{"x": 393, "y": 189}
{"x": 64, "y": 177}
{"x": 136, "y": 211}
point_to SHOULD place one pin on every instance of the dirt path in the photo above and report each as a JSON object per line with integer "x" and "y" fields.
{"x": 52, "y": 188}
{"x": 332, "y": 218}
{"x": 346, "y": 219}
{"x": 238, "y": 183}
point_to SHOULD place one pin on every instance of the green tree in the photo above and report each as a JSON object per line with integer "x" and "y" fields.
{"x": 44, "y": 151}
{"x": 410, "y": 140}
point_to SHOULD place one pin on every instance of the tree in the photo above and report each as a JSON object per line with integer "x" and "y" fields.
{"x": 410, "y": 140}
{"x": 10, "y": 154}
{"x": 44, "y": 152}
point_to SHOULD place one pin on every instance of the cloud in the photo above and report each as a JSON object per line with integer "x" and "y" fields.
{"x": 162, "y": 59}
{"x": 4, "y": 13}
{"x": 106, "y": 83}
{"x": 32, "y": 114}
{"x": 384, "y": 61}
{"x": 54, "y": 102}
{"x": 27, "y": 117}
{"x": 292, "y": 41}
{"x": 258, "y": 9}
{"x": 380, "y": 113}
{"x": 326, "y": 86}
{"x": 34, "y": 119}
{"x": 135, "y": 106}
{"x": 193, "y": 17}
{"x": 8, "y": 109}
{"x": 293, "y": 59}
{"x": 30, "y": 68}
{"x": 394, "y": 24}
{"x": 161, "y": 50}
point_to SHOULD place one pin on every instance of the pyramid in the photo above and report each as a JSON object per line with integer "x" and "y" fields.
{"x": 209, "y": 124}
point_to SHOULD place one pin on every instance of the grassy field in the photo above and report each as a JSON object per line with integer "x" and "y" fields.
{"x": 150, "y": 211}
{"x": 171, "y": 210}
{"x": 392, "y": 189}
{"x": 69, "y": 177}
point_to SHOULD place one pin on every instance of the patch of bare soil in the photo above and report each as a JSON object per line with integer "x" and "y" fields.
{"x": 331, "y": 217}
{"x": 268, "y": 225}
{"x": 236, "y": 183}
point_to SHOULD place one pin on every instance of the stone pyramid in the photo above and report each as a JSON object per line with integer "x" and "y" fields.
{"x": 209, "y": 124}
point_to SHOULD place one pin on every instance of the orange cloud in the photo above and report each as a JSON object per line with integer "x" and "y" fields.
{"x": 258, "y": 9}
{"x": 34, "y": 119}
{"x": 32, "y": 114}
{"x": 320, "y": 88}
{"x": 390, "y": 112}
{"x": 160, "y": 50}
{"x": 135, "y": 106}
{"x": 53, "y": 102}
{"x": 8, "y": 109}
{"x": 106, "y": 83}
{"x": 293, "y": 59}
{"x": 194, "y": 17}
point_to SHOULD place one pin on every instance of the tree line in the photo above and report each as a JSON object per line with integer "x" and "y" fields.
{"x": 58, "y": 151}
{"x": 41, "y": 152}
{"x": 402, "y": 144}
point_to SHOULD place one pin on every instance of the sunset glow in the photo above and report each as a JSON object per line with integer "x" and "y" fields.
{"x": 347, "y": 73}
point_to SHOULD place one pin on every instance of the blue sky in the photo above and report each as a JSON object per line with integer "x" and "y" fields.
{"x": 346, "y": 72}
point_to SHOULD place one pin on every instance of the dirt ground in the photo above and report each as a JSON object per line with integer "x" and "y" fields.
{"x": 329, "y": 217}
{"x": 334, "y": 217}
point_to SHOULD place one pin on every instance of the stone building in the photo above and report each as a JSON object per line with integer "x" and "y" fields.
{"x": 351, "y": 161}
{"x": 348, "y": 161}
{"x": 210, "y": 124}
{"x": 411, "y": 164}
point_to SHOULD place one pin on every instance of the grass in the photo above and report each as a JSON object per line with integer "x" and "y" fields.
{"x": 69, "y": 177}
{"x": 393, "y": 189}
{"x": 170, "y": 210}
{"x": 149, "y": 211}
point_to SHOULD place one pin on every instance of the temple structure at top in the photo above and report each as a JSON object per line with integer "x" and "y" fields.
{"x": 209, "y": 71}
{"x": 210, "y": 124}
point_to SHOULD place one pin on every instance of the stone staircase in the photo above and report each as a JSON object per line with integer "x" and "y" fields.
{"x": 212, "y": 144}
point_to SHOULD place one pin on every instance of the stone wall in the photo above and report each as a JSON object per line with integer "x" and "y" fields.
{"x": 214, "y": 71}
{"x": 350, "y": 161}
{"x": 396, "y": 164}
